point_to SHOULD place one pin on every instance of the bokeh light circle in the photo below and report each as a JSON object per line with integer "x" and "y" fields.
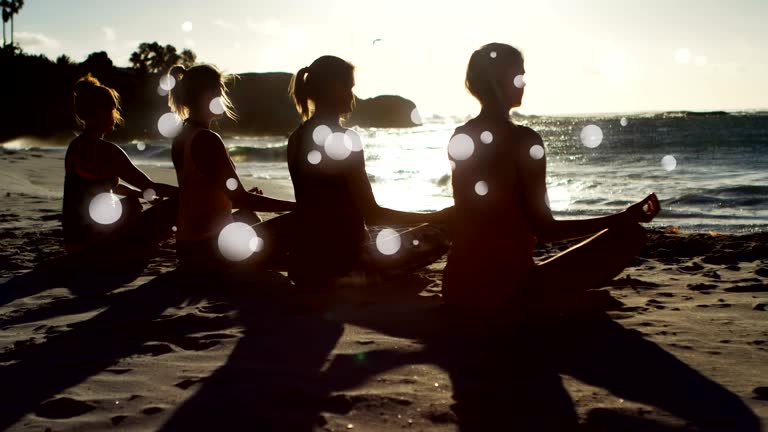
{"x": 416, "y": 116}
{"x": 337, "y": 146}
{"x": 256, "y": 244}
{"x": 320, "y": 134}
{"x": 353, "y": 140}
{"x": 186, "y": 26}
{"x": 236, "y": 241}
{"x": 461, "y": 147}
{"x": 388, "y": 241}
{"x": 536, "y": 152}
{"x": 216, "y": 106}
{"x": 623, "y": 121}
{"x": 481, "y": 188}
{"x": 105, "y": 208}
{"x": 314, "y": 157}
{"x": 669, "y": 162}
{"x": 169, "y": 125}
{"x": 149, "y": 194}
{"x": 493, "y": 54}
{"x": 486, "y": 137}
{"x": 141, "y": 146}
{"x": 519, "y": 81}
{"x": 591, "y": 135}
{"x": 167, "y": 82}
{"x": 231, "y": 184}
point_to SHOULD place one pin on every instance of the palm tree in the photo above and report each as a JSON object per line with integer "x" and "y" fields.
{"x": 6, "y": 6}
{"x": 15, "y": 7}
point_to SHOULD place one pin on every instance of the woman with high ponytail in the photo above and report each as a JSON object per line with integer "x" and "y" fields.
{"x": 333, "y": 194}
{"x": 209, "y": 187}
{"x": 95, "y": 219}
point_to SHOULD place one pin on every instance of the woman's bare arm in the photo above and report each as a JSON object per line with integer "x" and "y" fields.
{"x": 377, "y": 215}
{"x": 131, "y": 174}
{"x": 211, "y": 157}
{"x": 539, "y": 215}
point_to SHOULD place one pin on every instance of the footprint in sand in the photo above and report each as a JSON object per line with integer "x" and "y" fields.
{"x": 63, "y": 408}
{"x": 701, "y": 287}
{"x": 692, "y": 268}
{"x": 152, "y": 410}
{"x": 757, "y": 287}
{"x": 189, "y": 382}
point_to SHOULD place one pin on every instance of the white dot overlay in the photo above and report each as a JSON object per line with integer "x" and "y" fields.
{"x": 388, "y": 241}
{"x": 216, "y": 106}
{"x": 231, "y": 184}
{"x": 591, "y": 136}
{"x": 536, "y": 152}
{"x": 461, "y": 147}
{"x": 314, "y": 157}
{"x": 169, "y": 125}
{"x": 237, "y": 241}
{"x": 481, "y": 188}
{"x": 669, "y": 162}
{"x": 105, "y": 208}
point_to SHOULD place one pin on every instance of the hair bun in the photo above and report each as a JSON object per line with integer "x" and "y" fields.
{"x": 177, "y": 72}
{"x": 86, "y": 83}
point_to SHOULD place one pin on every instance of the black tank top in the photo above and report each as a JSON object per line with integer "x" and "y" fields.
{"x": 79, "y": 189}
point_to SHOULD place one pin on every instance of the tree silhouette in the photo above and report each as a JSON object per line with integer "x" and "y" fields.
{"x": 64, "y": 60}
{"x": 188, "y": 58}
{"x": 151, "y": 57}
{"x": 15, "y": 7}
{"x": 10, "y": 8}
{"x": 98, "y": 63}
{"x": 6, "y": 6}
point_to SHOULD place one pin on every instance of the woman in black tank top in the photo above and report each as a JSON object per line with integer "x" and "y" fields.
{"x": 209, "y": 236}
{"x": 327, "y": 166}
{"x": 100, "y": 214}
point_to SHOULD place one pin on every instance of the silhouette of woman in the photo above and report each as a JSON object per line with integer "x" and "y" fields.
{"x": 327, "y": 166}
{"x": 502, "y": 208}
{"x": 209, "y": 187}
{"x": 94, "y": 219}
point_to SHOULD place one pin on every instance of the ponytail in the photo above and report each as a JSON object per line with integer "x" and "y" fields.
{"x": 316, "y": 83}
{"x": 176, "y": 95}
{"x": 92, "y": 97}
{"x": 298, "y": 92}
{"x": 193, "y": 83}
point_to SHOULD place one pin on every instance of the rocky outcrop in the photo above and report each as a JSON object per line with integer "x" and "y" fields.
{"x": 384, "y": 112}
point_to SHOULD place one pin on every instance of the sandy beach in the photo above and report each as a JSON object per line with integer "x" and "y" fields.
{"x": 152, "y": 349}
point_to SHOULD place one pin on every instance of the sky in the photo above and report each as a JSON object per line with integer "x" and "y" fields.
{"x": 581, "y": 56}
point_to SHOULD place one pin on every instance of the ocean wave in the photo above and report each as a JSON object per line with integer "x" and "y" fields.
{"x": 753, "y": 197}
{"x": 258, "y": 154}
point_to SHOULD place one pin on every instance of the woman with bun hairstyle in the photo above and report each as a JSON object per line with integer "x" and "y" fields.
{"x": 96, "y": 172}
{"x": 333, "y": 194}
{"x": 500, "y": 195}
{"x": 209, "y": 187}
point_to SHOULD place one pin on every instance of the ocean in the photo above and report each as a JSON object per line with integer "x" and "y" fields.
{"x": 710, "y": 171}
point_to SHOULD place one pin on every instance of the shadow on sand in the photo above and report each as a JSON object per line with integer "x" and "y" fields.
{"x": 278, "y": 376}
